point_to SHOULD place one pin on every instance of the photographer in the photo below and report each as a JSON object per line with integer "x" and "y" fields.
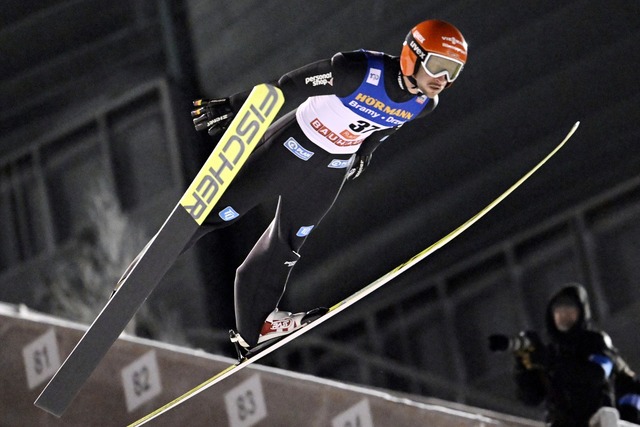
{"x": 578, "y": 372}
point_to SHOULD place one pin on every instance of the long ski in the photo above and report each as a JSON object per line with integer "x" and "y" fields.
{"x": 349, "y": 301}
{"x": 229, "y": 155}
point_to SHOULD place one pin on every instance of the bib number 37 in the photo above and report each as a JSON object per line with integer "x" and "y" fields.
{"x": 362, "y": 126}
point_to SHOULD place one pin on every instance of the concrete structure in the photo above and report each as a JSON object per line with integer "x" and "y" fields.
{"x": 137, "y": 376}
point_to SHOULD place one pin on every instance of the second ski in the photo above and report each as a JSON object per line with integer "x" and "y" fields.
{"x": 243, "y": 362}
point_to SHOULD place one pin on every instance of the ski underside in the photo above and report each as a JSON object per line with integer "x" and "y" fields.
{"x": 259, "y": 353}
{"x": 146, "y": 271}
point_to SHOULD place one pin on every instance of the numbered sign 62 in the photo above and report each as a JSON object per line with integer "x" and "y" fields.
{"x": 141, "y": 380}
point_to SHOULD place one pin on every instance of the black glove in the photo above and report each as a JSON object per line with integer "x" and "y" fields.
{"x": 212, "y": 114}
{"x": 498, "y": 342}
{"x": 359, "y": 165}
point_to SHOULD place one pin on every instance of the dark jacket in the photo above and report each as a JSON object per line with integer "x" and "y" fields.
{"x": 576, "y": 373}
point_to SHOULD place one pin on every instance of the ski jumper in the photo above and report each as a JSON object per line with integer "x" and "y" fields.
{"x": 351, "y": 103}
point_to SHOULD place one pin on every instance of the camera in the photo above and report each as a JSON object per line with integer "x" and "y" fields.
{"x": 521, "y": 342}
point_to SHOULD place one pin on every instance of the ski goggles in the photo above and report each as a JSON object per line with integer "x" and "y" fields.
{"x": 438, "y": 65}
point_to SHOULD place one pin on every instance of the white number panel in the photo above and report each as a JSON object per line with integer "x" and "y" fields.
{"x": 245, "y": 403}
{"x": 141, "y": 380}
{"x": 41, "y": 358}
{"x": 359, "y": 415}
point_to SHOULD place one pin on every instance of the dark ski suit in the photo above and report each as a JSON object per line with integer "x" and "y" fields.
{"x": 352, "y": 103}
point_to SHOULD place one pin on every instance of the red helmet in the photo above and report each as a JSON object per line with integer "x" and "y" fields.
{"x": 439, "y": 38}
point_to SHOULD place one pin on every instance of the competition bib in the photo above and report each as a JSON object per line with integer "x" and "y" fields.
{"x": 339, "y": 125}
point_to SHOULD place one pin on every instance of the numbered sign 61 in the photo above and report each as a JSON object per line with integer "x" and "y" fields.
{"x": 41, "y": 358}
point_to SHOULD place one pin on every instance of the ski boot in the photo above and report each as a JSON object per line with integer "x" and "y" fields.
{"x": 277, "y": 325}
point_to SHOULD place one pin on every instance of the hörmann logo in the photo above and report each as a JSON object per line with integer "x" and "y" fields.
{"x": 380, "y": 106}
{"x": 223, "y": 164}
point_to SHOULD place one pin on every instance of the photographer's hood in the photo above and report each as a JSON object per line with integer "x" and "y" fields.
{"x": 571, "y": 292}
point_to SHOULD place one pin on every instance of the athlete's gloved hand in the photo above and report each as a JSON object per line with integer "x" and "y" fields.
{"x": 212, "y": 114}
{"x": 359, "y": 165}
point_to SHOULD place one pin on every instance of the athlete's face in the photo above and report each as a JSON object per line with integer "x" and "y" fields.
{"x": 430, "y": 86}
